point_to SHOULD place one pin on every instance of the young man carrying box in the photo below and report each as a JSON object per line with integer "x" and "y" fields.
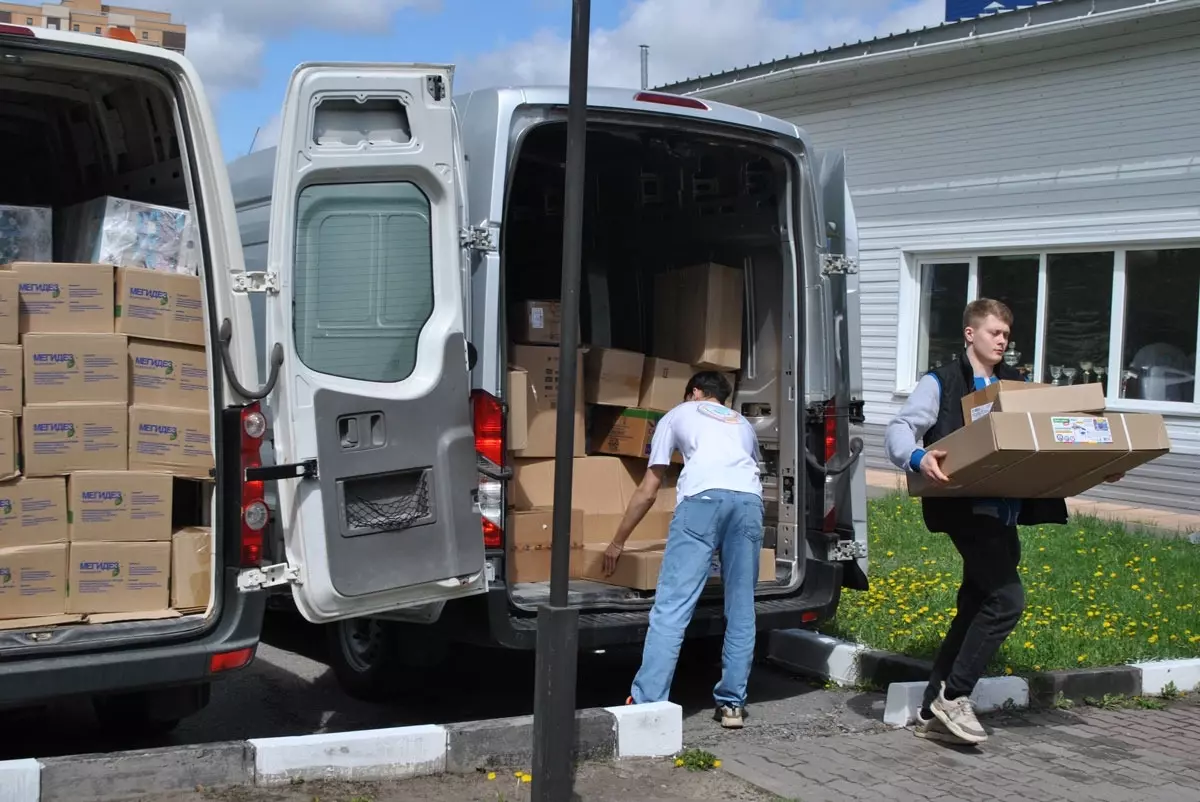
{"x": 719, "y": 510}
{"x": 991, "y": 598}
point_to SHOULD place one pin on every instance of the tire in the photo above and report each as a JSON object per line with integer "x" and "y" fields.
{"x": 148, "y": 713}
{"x": 374, "y": 660}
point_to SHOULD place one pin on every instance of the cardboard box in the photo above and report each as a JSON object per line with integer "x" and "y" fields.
{"x": 536, "y": 322}
{"x": 33, "y": 581}
{"x": 541, "y": 365}
{"x": 519, "y": 398}
{"x": 1015, "y": 396}
{"x": 58, "y": 439}
{"x": 529, "y": 536}
{"x": 160, "y": 306}
{"x": 116, "y": 506}
{"x": 626, "y": 432}
{"x": 33, "y": 512}
{"x": 119, "y": 577}
{"x": 601, "y": 487}
{"x": 613, "y": 377}
{"x": 10, "y": 464}
{"x": 1042, "y": 455}
{"x": 641, "y": 563}
{"x": 62, "y": 298}
{"x": 176, "y": 441}
{"x": 10, "y": 308}
{"x": 168, "y": 375}
{"x": 76, "y": 367}
{"x": 698, "y": 316}
{"x": 191, "y": 568}
{"x": 664, "y": 384}
{"x": 42, "y": 622}
{"x": 12, "y": 385}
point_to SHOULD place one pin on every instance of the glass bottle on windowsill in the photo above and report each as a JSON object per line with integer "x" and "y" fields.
{"x": 1086, "y": 375}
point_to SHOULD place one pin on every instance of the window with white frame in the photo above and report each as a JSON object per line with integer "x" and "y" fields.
{"x": 1126, "y": 317}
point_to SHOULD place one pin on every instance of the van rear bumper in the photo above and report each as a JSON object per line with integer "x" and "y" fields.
{"x": 31, "y": 680}
{"x": 819, "y": 594}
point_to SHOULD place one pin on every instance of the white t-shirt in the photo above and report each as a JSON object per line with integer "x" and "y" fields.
{"x": 719, "y": 448}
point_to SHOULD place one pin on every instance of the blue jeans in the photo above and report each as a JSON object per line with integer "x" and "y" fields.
{"x": 713, "y": 521}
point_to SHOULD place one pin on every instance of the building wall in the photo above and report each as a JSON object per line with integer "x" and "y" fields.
{"x": 149, "y": 27}
{"x": 1080, "y": 145}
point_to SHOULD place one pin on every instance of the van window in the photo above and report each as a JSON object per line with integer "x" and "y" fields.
{"x": 363, "y": 279}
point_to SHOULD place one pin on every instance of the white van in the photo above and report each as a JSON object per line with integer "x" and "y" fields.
{"x": 387, "y": 234}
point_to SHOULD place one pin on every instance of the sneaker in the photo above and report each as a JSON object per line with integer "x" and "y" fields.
{"x": 933, "y": 729}
{"x": 731, "y": 718}
{"x": 959, "y": 717}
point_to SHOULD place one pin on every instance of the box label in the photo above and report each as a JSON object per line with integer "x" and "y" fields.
{"x": 120, "y": 506}
{"x": 1081, "y": 430}
{"x": 61, "y": 438}
{"x": 65, "y": 297}
{"x": 160, "y": 306}
{"x": 168, "y": 375}
{"x": 979, "y": 411}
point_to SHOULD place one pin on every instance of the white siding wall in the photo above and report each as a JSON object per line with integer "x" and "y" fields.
{"x": 1081, "y": 144}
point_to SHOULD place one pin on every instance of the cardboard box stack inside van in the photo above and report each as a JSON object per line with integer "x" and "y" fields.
{"x": 620, "y": 397}
{"x": 105, "y": 448}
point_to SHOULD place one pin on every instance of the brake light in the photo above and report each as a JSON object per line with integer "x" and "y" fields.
{"x": 255, "y": 512}
{"x": 16, "y": 30}
{"x": 829, "y": 519}
{"x": 488, "y": 419}
{"x": 670, "y": 100}
{"x": 830, "y": 432}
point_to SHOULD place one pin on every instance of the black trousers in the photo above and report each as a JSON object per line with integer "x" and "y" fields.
{"x": 990, "y": 603}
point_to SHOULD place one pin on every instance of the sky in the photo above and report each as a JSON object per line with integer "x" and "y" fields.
{"x": 245, "y": 50}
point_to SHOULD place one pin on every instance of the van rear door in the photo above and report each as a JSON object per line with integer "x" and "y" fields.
{"x": 372, "y": 407}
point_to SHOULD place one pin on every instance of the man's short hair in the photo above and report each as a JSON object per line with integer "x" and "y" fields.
{"x": 978, "y": 311}
{"x": 712, "y": 384}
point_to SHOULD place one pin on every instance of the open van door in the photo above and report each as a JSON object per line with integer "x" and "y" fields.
{"x": 372, "y": 407}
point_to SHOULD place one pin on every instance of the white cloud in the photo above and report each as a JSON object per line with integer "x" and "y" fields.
{"x": 688, "y": 38}
{"x": 226, "y": 38}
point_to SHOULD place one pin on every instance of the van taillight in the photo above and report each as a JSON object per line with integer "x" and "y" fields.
{"x": 829, "y": 518}
{"x": 670, "y": 100}
{"x": 255, "y": 512}
{"x": 489, "y": 443}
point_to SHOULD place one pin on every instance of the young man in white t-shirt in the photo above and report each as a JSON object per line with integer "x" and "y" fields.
{"x": 719, "y": 509}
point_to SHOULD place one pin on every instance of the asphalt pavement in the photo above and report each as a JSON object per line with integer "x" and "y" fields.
{"x": 289, "y": 690}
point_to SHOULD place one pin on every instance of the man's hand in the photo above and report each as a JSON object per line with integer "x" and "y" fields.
{"x": 932, "y": 469}
{"x": 611, "y": 555}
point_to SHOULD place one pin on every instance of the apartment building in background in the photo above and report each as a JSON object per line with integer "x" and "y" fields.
{"x": 95, "y": 17}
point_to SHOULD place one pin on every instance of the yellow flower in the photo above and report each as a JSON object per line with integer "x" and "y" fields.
{"x": 526, "y": 778}
{"x": 491, "y": 775}
{"x": 1029, "y": 644}
{"x": 716, "y": 764}
{"x": 1081, "y": 658}
{"x": 678, "y": 762}
{"x": 1008, "y": 671}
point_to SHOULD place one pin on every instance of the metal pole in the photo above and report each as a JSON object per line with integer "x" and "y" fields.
{"x": 558, "y": 624}
{"x": 645, "y": 66}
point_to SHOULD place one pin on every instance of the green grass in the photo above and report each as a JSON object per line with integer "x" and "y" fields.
{"x": 1096, "y": 595}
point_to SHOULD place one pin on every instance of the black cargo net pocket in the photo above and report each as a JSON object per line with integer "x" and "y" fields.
{"x": 387, "y": 503}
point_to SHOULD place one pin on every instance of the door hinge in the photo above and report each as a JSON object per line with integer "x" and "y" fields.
{"x": 268, "y": 576}
{"x": 847, "y": 550}
{"x": 857, "y": 412}
{"x": 274, "y": 473}
{"x": 256, "y": 282}
{"x": 481, "y": 238}
{"x": 436, "y": 86}
{"x": 836, "y": 264}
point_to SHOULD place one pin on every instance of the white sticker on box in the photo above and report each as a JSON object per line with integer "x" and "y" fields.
{"x": 1081, "y": 430}
{"x": 980, "y": 411}
{"x": 537, "y": 317}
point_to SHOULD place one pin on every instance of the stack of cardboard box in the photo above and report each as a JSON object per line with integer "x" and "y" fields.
{"x": 624, "y": 394}
{"x": 106, "y": 370}
{"x": 1027, "y": 440}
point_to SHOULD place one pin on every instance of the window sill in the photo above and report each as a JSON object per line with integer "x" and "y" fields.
{"x": 1170, "y": 409}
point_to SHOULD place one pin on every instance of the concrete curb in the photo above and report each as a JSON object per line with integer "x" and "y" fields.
{"x": 653, "y": 730}
{"x": 854, "y": 665}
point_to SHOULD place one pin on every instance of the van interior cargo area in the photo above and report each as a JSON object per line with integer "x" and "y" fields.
{"x": 74, "y": 129}
{"x": 657, "y": 199}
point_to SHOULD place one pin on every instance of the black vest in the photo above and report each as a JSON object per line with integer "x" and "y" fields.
{"x": 957, "y": 379}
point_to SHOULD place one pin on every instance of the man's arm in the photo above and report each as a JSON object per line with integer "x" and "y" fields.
{"x": 916, "y": 417}
{"x": 643, "y": 499}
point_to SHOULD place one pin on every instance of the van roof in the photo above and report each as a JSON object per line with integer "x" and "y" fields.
{"x": 84, "y": 42}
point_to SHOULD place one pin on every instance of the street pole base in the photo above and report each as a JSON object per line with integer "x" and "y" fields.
{"x": 554, "y": 704}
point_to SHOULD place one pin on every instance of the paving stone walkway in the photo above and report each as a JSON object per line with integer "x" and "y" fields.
{"x": 1080, "y": 755}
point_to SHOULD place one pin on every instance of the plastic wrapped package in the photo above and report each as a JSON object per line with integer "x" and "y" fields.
{"x": 128, "y": 233}
{"x": 25, "y": 234}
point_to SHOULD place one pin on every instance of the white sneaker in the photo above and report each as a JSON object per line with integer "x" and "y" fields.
{"x": 959, "y": 717}
{"x": 933, "y": 729}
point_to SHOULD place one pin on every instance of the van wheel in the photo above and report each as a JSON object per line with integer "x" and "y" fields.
{"x": 374, "y": 660}
{"x": 133, "y": 715}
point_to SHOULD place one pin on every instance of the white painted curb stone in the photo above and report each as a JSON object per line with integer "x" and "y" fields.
{"x": 991, "y": 693}
{"x": 397, "y": 753}
{"x": 1158, "y": 673}
{"x": 650, "y": 730}
{"x": 20, "y": 780}
{"x": 806, "y": 652}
